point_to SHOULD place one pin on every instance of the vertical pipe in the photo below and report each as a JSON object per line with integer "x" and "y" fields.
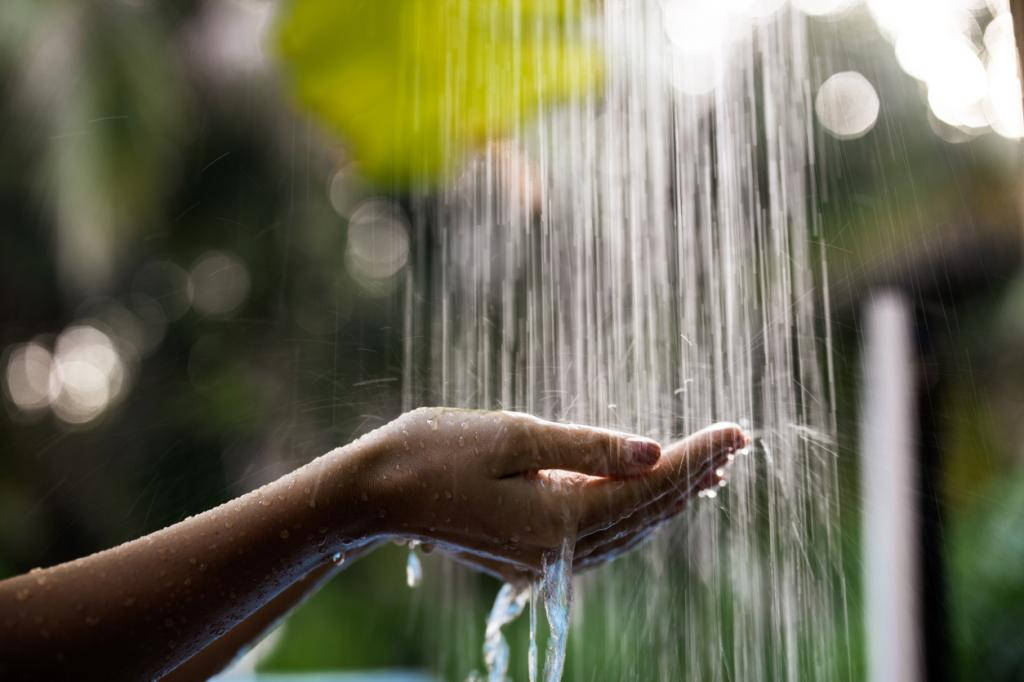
{"x": 888, "y": 488}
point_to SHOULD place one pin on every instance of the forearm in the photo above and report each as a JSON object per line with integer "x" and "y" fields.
{"x": 139, "y": 610}
{"x": 220, "y": 653}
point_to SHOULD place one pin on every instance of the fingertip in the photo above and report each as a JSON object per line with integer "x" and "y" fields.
{"x": 643, "y": 452}
{"x": 728, "y": 434}
{"x": 710, "y": 446}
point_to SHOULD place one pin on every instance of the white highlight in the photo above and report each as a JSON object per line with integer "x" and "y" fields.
{"x": 847, "y": 105}
{"x": 378, "y": 244}
{"x": 27, "y": 377}
{"x": 88, "y": 374}
{"x": 220, "y": 283}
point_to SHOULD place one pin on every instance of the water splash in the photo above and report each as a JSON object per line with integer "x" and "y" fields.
{"x": 507, "y": 606}
{"x": 556, "y": 587}
{"x": 531, "y": 655}
{"x": 413, "y": 569}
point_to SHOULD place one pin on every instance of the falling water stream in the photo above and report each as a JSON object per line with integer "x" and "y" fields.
{"x": 644, "y": 257}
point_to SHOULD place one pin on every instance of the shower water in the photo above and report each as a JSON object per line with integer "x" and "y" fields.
{"x": 644, "y": 257}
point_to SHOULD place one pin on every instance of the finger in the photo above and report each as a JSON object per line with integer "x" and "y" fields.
{"x": 648, "y": 517}
{"x": 614, "y": 541}
{"x": 537, "y": 444}
{"x": 604, "y": 546}
{"x": 680, "y": 472}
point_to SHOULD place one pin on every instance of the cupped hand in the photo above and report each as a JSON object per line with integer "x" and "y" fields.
{"x": 502, "y": 490}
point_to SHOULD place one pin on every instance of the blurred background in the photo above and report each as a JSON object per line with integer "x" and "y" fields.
{"x": 191, "y": 304}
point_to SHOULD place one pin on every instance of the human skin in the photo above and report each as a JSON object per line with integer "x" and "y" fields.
{"x": 497, "y": 490}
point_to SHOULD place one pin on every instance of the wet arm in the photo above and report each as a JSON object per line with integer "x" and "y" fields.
{"x": 139, "y": 610}
{"x": 227, "y": 648}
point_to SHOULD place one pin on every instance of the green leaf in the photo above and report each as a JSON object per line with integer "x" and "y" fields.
{"x": 412, "y": 85}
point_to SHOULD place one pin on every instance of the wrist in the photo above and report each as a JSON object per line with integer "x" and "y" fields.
{"x": 361, "y": 487}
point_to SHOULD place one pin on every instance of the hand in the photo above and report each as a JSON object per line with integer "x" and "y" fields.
{"x": 500, "y": 490}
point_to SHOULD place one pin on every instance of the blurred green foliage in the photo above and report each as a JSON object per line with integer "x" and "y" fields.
{"x": 410, "y": 85}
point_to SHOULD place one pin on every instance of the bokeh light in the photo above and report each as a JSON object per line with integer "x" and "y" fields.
{"x": 957, "y": 85}
{"x": 847, "y": 105}
{"x": 88, "y": 374}
{"x": 377, "y": 246}
{"x": 1003, "y": 106}
{"x": 220, "y": 283}
{"x": 153, "y": 319}
{"x": 27, "y": 377}
{"x": 168, "y": 285}
{"x": 233, "y": 34}
{"x": 695, "y": 26}
{"x": 972, "y": 77}
{"x": 345, "y": 189}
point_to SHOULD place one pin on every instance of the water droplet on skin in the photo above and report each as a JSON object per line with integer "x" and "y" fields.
{"x": 720, "y": 472}
{"x": 284, "y": 534}
{"x": 22, "y": 595}
{"x": 432, "y": 423}
{"x": 447, "y": 494}
{"x": 364, "y": 497}
{"x": 337, "y": 558}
